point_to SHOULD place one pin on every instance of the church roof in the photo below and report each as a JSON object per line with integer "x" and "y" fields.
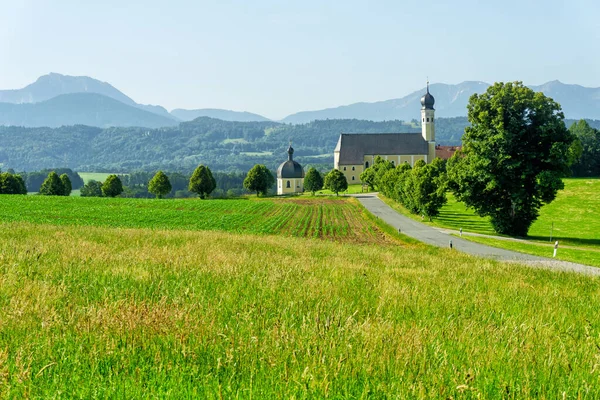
{"x": 290, "y": 168}
{"x": 354, "y": 146}
{"x": 427, "y": 101}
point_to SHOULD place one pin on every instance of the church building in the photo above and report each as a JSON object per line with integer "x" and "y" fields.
{"x": 355, "y": 152}
{"x": 290, "y": 176}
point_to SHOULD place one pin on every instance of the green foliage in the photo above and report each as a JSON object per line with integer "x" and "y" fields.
{"x": 259, "y": 179}
{"x": 206, "y": 140}
{"x": 422, "y": 189}
{"x": 313, "y": 180}
{"x": 514, "y": 155}
{"x": 588, "y": 149}
{"x": 159, "y": 185}
{"x": 52, "y": 186}
{"x": 34, "y": 180}
{"x": 368, "y": 177}
{"x": 202, "y": 182}
{"x": 373, "y": 176}
{"x": 66, "y": 184}
{"x": 112, "y": 186}
{"x": 12, "y": 184}
{"x": 92, "y": 189}
{"x": 335, "y": 181}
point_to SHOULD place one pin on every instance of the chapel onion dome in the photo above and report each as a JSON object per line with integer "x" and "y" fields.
{"x": 290, "y": 168}
{"x": 427, "y": 101}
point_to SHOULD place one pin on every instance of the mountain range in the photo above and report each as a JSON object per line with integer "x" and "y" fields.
{"x": 55, "y": 100}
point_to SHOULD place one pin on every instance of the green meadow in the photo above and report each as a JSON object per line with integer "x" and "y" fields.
{"x": 96, "y": 176}
{"x": 340, "y": 219}
{"x": 103, "y": 312}
{"x": 136, "y": 298}
{"x": 352, "y": 189}
{"x": 573, "y": 219}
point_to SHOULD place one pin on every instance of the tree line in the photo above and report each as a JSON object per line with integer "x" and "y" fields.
{"x": 515, "y": 153}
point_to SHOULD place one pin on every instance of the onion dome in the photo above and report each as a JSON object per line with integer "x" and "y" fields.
{"x": 427, "y": 101}
{"x": 290, "y": 168}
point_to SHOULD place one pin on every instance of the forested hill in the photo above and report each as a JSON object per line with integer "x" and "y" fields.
{"x": 223, "y": 145}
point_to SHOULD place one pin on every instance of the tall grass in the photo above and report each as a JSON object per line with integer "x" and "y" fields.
{"x": 99, "y": 312}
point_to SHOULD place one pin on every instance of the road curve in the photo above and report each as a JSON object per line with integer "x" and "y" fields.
{"x": 434, "y": 237}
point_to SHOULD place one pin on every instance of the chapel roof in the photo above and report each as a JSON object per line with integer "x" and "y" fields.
{"x": 354, "y": 146}
{"x": 290, "y": 168}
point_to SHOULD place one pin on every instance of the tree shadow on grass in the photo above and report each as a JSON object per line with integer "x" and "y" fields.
{"x": 465, "y": 221}
{"x": 570, "y": 240}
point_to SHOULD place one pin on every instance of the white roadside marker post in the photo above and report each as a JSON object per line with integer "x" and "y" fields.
{"x": 555, "y": 248}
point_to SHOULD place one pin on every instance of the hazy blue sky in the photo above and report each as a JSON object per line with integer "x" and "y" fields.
{"x": 278, "y": 57}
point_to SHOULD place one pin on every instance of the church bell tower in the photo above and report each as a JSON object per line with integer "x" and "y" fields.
{"x": 427, "y": 122}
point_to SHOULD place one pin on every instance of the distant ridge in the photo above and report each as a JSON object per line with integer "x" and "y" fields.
{"x": 224, "y": 115}
{"x": 49, "y": 86}
{"x": 451, "y": 101}
{"x": 90, "y": 109}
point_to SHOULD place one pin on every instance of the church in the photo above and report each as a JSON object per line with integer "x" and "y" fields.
{"x": 290, "y": 175}
{"x": 355, "y": 152}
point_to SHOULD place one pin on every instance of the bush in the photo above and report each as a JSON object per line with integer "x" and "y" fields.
{"x": 112, "y": 187}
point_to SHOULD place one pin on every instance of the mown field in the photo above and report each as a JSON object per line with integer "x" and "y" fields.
{"x": 103, "y": 312}
{"x": 573, "y": 218}
{"x": 325, "y": 218}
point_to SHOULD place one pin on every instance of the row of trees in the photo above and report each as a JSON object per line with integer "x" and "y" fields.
{"x": 260, "y": 179}
{"x": 201, "y": 182}
{"x": 421, "y": 189}
{"x": 55, "y": 185}
{"x": 515, "y": 153}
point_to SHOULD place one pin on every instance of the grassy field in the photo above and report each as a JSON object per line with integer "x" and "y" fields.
{"x": 339, "y": 219}
{"x": 99, "y": 312}
{"x": 573, "y": 218}
{"x": 96, "y": 176}
{"x": 352, "y": 189}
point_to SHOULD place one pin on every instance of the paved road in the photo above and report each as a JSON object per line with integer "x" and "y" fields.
{"x": 438, "y": 238}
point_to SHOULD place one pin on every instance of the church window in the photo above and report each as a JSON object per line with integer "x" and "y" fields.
{"x": 423, "y": 119}
{"x": 366, "y": 165}
{"x": 393, "y": 164}
{"x": 427, "y": 119}
{"x": 352, "y": 168}
{"x": 431, "y": 119}
{"x": 352, "y": 177}
{"x": 288, "y": 184}
{"x": 344, "y": 168}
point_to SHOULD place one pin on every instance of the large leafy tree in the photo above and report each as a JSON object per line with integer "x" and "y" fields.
{"x": 112, "y": 186}
{"x": 66, "y": 183}
{"x": 514, "y": 155}
{"x": 92, "y": 189}
{"x": 202, "y": 182}
{"x": 12, "y": 184}
{"x": 52, "y": 186}
{"x": 313, "y": 181}
{"x": 259, "y": 179}
{"x": 159, "y": 185}
{"x": 336, "y": 181}
{"x": 588, "y": 139}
